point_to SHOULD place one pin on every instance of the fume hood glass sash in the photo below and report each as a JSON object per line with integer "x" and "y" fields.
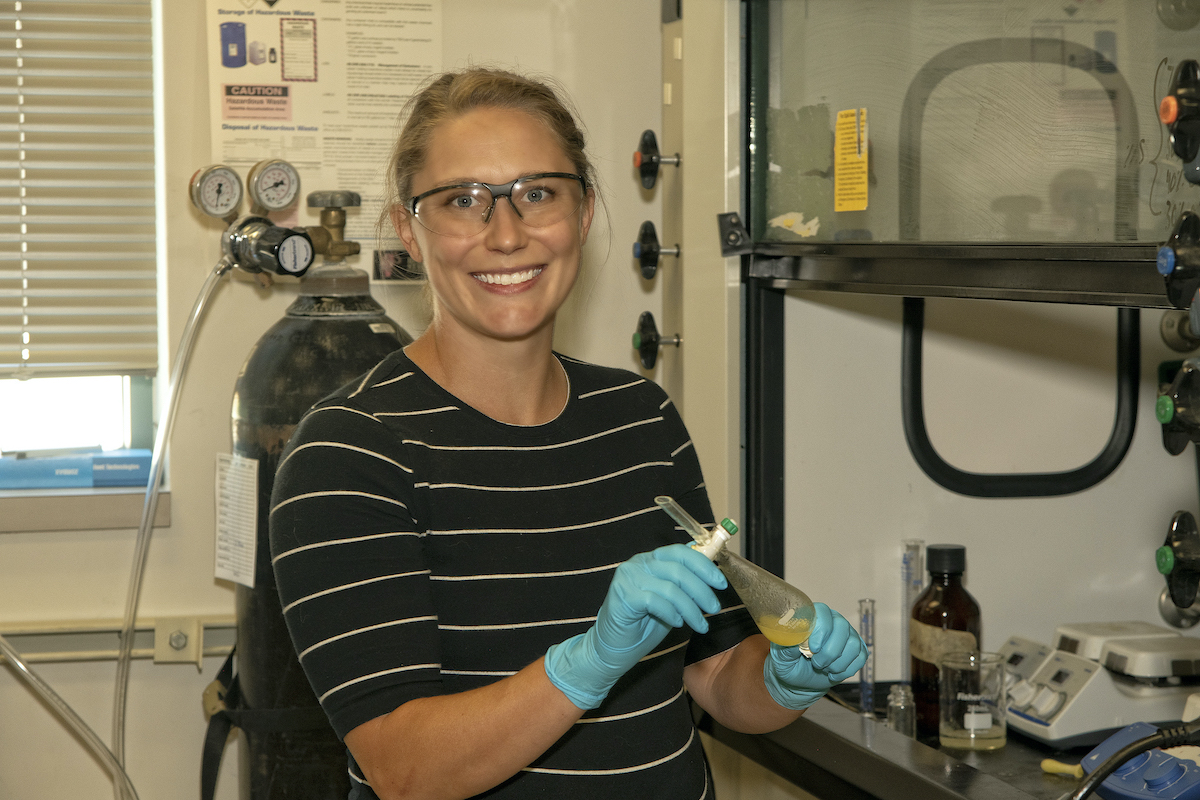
{"x": 77, "y": 213}
{"x": 1028, "y": 127}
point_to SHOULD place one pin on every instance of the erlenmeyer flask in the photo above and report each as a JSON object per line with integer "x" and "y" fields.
{"x": 782, "y": 612}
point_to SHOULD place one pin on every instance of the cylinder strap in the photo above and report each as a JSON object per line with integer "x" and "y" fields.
{"x": 231, "y": 712}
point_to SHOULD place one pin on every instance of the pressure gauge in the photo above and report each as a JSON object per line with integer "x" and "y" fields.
{"x": 216, "y": 190}
{"x": 273, "y": 185}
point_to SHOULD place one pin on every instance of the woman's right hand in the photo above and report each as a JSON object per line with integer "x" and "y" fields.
{"x": 649, "y": 594}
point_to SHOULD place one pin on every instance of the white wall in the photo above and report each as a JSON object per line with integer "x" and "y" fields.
{"x": 607, "y": 56}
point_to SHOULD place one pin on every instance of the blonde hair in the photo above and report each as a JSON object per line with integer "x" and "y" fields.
{"x": 452, "y": 94}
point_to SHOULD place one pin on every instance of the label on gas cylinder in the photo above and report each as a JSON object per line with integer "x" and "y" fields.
{"x": 931, "y": 644}
{"x": 237, "y": 518}
{"x": 850, "y": 160}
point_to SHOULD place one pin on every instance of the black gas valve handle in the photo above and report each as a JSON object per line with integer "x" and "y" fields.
{"x": 1177, "y": 407}
{"x": 646, "y": 340}
{"x": 647, "y": 159}
{"x": 648, "y": 252}
{"x": 1179, "y": 559}
{"x": 1180, "y": 110}
{"x": 1179, "y": 261}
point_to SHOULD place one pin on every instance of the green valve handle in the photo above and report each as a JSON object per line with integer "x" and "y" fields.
{"x": 1164, "y": 409}
{"x": 1164, "y": 559}
{"x": 647, "y": 341}
{"x": 1179, "y": 559}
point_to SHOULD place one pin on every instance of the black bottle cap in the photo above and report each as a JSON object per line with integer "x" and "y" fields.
{"x": 947, "y": 558}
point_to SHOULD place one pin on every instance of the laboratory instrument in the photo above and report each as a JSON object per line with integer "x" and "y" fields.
{"x": 1022, "y": 657}
{"x": 1143, "y": 762}
{"x": 945, "y": 619}
{"x": 258, "y": 245}
{"x": 1088, "y": 639}
{"x": 254, "y": 243}
{"x": 783, "y": 613}
{"x": 866, "y": 676}
{"x": 216, "y": 190}
{"x": 272, "y": 185}
{"x": 912, "y": 582}
{"x": 1120, "y": 672}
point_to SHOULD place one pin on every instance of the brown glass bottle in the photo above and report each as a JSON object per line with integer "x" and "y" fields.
{"x": 945, "y": 619}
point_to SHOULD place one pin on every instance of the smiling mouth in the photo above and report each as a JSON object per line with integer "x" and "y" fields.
{"x": 507, "y": 278}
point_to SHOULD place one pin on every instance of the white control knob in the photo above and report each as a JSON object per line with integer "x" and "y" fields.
{"x": 1021, "y": 692}
{"x": 1048, "y": 702}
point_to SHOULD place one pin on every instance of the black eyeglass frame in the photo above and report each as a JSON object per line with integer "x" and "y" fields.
{"x": 498, "y": 190}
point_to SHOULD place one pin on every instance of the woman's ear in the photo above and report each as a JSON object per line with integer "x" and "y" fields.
{"x": 585, "y": 217}
{"x": 402, "y": 223}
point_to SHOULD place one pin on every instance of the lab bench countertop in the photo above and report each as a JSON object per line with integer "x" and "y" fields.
{"x": 836, "y": 753}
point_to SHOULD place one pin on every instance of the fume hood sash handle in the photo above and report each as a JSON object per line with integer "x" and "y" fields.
{"x": 1026, "y": 484}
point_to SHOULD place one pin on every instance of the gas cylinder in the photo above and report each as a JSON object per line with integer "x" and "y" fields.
{"x": 332, "y": 333}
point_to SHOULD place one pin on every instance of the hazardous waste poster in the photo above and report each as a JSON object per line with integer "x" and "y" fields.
{"x": 319, "y": 83}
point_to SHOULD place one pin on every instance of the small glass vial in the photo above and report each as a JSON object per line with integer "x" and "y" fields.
{"x": 901, "y": 710}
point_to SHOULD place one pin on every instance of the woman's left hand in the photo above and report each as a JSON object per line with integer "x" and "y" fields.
{"x": 796, "y": 682}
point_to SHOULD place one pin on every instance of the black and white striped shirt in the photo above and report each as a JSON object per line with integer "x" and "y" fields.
{"x": 422, "y": 548}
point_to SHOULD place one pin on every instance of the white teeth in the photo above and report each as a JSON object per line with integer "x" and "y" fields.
{"x": 508, "y": 278}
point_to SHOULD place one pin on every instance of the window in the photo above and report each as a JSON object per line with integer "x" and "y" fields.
{"x": 77, "y": 202}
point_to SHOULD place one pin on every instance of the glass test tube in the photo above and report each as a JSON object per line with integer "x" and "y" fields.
{"x": 866, "y": 676}
{"x": 912, "y": 580}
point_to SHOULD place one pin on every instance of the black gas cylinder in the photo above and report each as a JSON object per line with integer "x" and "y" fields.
{"x": 333, "y": 332}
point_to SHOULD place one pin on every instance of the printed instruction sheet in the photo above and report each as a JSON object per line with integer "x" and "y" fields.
{"x": 237, "y": 518}
{"x": 319, "y": 83}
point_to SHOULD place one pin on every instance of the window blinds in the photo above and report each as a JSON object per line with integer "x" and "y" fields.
{"x": 77, "y": 247}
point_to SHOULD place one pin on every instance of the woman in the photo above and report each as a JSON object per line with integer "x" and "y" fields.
{"x": 478, "y": 582}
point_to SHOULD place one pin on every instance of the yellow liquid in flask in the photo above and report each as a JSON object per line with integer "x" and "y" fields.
{"x": 785, "y": 634}
{"x": 783, "y": 613}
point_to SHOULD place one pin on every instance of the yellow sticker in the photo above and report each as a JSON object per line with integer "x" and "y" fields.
{"x": 850, "y": 160}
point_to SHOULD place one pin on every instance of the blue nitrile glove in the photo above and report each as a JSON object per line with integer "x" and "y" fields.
{"x": 838, "y": 652}
{"x": 649, "y": 594}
